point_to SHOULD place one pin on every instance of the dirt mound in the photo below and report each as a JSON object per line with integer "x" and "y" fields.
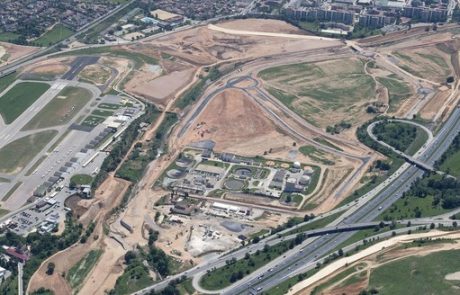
{"x": 262, "y": 25}
{"x": 237, "y": 125}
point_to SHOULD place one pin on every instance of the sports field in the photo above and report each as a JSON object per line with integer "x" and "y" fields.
{"x": 17, "y": 154}
{"x": 19, "y": 98}
{"x": 61, "y": 109}
{"x": 323, "y": 92}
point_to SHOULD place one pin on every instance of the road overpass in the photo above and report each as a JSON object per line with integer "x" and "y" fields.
{"x": 411, "y": 159}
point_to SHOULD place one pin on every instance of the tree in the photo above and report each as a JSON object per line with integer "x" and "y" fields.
{"x": 266, "y": 248}
{"x": 432, "y": 226}
{"x": 50, "y": 268}
{"x": 130, "y": 256}
{"x": 340, "y": 252}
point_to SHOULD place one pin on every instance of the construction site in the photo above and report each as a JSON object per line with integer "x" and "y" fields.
{"x": 254, "y": 148}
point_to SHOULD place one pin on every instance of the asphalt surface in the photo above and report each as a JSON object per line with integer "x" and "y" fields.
{"x": 78, "y": 64}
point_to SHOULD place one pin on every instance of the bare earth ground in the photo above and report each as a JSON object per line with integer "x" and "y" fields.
{"x": 429, "y": 111}
{"x": 202, "y": 46}
{"x": 374, "y": 256}
{"x": 106, "y": 197}
{"x": 55, "y": 66}
{"x": 2, "y": 52}
{"x": 96, "y": 73}
{"x": 158, "y": 88}
{"x": 199, "y": 46}
{"x": 261, "y": 25}
{"x": 246, "y": 131}
{"x": 17, "y": 51}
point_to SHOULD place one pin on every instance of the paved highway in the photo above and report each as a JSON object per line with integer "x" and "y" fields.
{"x": 321, "y": 246}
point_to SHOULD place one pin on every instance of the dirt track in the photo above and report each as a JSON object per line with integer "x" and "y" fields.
{"x": 107, "y": 196}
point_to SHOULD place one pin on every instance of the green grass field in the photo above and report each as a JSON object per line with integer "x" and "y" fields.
{"x": 3, "y": 212}
{"x": 7, "y": 80}
{"x": 407, "y": 207}
{"x": 80, "y": 271}
{"x": 102, "y": 113}
{"x": 418, "y": 275}
{"x": 58, "y": 33}
{"x": 337, "y": 278}
{"x": 61, "y": 109}
{"x": 314, "y": 90}
{"x": 397, "y": 91}
{"x": 429, "y": 62}
{"x": 453, "y": 165}
{"x": 420, "y": 139}
{"x": 221, "y": 277}
{"x": 8, "y": 37}
{"x": 19, "y": 98}
{"x": 134, "y": 278}
{"x": 186, "y": 287}
{"x": 315, "y": 154}
{"x": 17, "y": 154}
{"x": 81, "y": 179}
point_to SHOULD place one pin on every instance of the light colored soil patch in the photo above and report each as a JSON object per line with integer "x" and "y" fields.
{"x": 159, "y": 88}
{"x": 95, "y": 73}
{"x": 2, "y": 53}
{"x": 246, "y": 131}
{"x": 453, "y": 276}
{"x": 17, "y": 51}
{"x": 106, "y": 197}
{"x": 262, "y": 25}
{"x": 201, "y": 46}
{"x": 430, "y": 110}
{"x": 133, "y": 36}
{"x": 54, "y": 66}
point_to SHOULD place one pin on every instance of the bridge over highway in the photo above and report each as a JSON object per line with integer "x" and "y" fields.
{"x": 411, "y": 159}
